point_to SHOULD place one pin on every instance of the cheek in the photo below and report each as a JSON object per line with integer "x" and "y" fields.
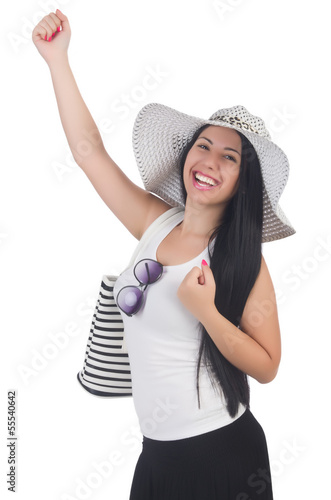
{"x": 186, "y": 171}
{"x": 233, "y": 171}
{"x": 233, "y": 175}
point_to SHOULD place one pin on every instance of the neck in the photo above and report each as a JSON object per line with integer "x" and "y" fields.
{"x": 200, "y": 222}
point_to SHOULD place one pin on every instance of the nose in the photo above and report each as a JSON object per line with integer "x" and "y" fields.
{"x": 213, "y": 163}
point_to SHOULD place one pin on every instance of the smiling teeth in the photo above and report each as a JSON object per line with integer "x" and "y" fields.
{"x": 204, "y": 179}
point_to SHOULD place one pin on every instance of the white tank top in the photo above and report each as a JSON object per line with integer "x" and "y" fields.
{"x": 163, "y": 343}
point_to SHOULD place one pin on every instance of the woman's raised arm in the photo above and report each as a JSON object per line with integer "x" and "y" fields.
{"x": 135, "y": 207}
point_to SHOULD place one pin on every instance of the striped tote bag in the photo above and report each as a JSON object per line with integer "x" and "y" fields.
{"x": 106, "y": 370}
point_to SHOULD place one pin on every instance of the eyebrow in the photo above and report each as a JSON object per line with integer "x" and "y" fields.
{"x": 227, "y": 148}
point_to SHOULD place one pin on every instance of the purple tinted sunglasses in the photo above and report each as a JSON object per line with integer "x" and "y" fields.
{"x": 130, "y": 298}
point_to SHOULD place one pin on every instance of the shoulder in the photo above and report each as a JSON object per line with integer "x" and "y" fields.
{"x": 157, "y": 208}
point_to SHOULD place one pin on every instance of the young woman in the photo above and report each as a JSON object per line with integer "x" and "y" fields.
{"x": 207, "y": 315}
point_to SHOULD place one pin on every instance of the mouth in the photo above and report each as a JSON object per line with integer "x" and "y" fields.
{"x": 204, "y": 182}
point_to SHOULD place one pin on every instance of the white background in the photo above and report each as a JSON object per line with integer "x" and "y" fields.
{"x": 57, "y": 237}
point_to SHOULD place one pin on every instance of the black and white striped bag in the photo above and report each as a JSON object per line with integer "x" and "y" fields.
{"x": 106, "y": 371}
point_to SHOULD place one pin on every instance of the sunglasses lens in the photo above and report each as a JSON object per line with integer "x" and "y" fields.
{"x": 129, "y": 299}
{"x": 148, "y": 271}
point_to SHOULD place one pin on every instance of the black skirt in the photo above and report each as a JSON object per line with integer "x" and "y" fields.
{"x": 230, "y": 463}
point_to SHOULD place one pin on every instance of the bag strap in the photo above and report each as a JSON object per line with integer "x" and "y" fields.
{"x": 153, "y": 228}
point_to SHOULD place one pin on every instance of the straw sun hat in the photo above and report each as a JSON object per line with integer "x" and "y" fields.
{"x": 161, "y": 133}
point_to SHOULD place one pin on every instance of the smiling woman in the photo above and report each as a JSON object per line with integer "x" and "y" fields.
{"x": 225, "y": 171}
{"x": 211, "y": 189}
{"x": 238, "y": 234}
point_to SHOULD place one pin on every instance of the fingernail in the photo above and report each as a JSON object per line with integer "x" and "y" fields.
{"x": 45, "y": 37}
{"x": 204, "y": 263}
{"x": 58, "y": 28}
{"x": 50, "y": 38}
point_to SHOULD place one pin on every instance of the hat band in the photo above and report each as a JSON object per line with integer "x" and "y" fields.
{"x": 234, "y": 120}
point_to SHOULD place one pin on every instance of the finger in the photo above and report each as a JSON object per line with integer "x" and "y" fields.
{"x": 204, "y": 266}
{"x": 195, "y": 273}
{"x": 192, "y": 276}
{"x": 207, "y": 273}
{"x": 51, "y": 23}
{"x": 51, "y": 30}
{"x": 44, "y": 30}
{"x": 40, "y": 32}
{"x": 56, "y": 20}
{"x": 63, "y": 19}
{"x": 201, "y": 279}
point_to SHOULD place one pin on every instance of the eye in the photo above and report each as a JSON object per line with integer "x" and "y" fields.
{"x": 231, "y": 158}
{"x": 203, "y": 146}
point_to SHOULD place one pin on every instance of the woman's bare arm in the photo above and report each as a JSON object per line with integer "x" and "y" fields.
{"x": 256, "y": 348}
{"x": 135, "y": 207}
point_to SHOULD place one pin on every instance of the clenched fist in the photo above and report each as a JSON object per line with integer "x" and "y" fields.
{"x": 52, "y": 35}
{"x": 197, "y": 291}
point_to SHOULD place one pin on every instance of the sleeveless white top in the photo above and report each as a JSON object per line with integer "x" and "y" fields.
{"x": 163, "y": 343}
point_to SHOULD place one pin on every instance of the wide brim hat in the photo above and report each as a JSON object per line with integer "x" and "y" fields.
{"x": 161, "y": 133}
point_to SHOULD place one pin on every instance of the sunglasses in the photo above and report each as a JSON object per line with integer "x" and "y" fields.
{"x": 130, "y": 298}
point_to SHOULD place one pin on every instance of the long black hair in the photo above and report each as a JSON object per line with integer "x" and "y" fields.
{"x": 235, "y": 262}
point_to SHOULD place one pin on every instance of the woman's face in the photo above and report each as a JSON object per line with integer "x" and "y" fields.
{"x": 212, "y": 166}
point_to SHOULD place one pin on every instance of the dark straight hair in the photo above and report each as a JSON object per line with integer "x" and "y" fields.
{"x": 235, "y": 262}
